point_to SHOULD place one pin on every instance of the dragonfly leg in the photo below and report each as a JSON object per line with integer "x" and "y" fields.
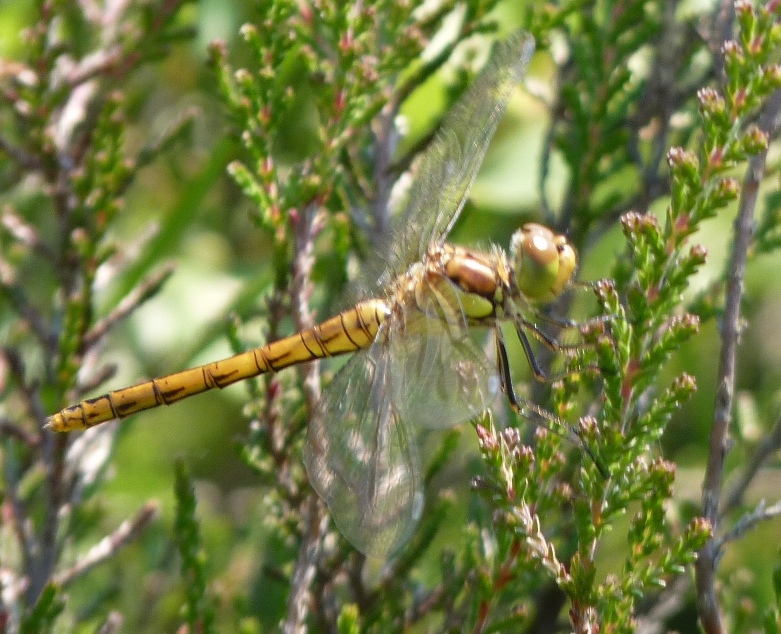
{"x": 522, "y": 325}
{"x": 522, "y": 407}
{"x": 565, "y": 324}
{"x": 551, "y": 344}
{"x": 538, "y": 372}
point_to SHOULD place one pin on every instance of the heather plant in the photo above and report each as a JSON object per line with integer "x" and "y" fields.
{"x": 658, "y": 128}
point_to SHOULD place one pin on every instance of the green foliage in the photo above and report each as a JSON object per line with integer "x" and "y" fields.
{"x": 66, "y": 168}
{"x": 199, "y": 607}
{"x": 577, "y": 521}
{"x": 599, "y": 101}
{"x": 45, "y": 612}
{"x": 772, "y": 618}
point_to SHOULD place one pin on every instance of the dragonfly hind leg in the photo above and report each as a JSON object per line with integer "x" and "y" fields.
{"x": 522, "y": 407}
{"x": 569, "y": 324}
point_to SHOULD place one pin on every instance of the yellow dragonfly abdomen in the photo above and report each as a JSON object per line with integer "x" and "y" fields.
{"x": 348, "y": 331}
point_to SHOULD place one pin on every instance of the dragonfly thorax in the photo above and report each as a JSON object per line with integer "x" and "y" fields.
{"x": 544, "y": 262}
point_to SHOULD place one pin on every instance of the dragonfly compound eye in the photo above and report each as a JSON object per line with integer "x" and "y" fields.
{"x": 568, "y": 262}
{"x": 544, "y": 262}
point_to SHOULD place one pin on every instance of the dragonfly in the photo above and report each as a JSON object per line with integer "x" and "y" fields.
{"x": 415, "y": 364}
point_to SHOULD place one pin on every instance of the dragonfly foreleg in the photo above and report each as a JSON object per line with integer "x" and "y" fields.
{"x": 569, "y": 324}
{"x": 521, "y": 325}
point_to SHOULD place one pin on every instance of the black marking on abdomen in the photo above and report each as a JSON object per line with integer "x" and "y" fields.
{"x": 363, "y": 325}
{"x": 325, "y": 341}
{"x": 221, "y": 380}
{"x": 268, "y": 360}
{"x": 309, "y": 350}
{"x": 209, "y": 379}
{"x": 110, "y": 404}
{"x": 128, "y": 407}
{"x": 160, "y": 397}
{"x": 317, "y": 332}
{"x": 347, "y": 331}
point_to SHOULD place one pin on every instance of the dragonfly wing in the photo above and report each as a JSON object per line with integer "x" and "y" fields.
{"x": 362, "y": 459}
{"x": 450, "y": 164}
{"x": 441, "y": 377}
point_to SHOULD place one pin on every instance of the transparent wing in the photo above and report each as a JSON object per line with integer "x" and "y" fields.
{"x": 361, "y": 456}
{"x": 450, "y": 164}
{"x": 444, "y": 382}
{"x": 440, "y": 376}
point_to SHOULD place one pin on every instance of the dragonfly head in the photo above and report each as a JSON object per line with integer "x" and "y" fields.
{"x": 544, "y": 262}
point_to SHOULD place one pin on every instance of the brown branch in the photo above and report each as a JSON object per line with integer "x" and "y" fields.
{"x": 113, "y": 623}
{"x": 102, "y": 62}
{"x": 769, "y": 445}
{"x": 24, "y": 159}
{"x": 761, "y": 513}
{"x": 24, "y": 232}
{"x": 108, "y": 547}
{"x": 140, "y": 293}
{"x": 96, "y": 379}
{"x": 313, "y": 510}
{"x": 669, "y": 602}
{"x": 48, "y": 547}
{"x": 384, "y": 175}
{"x": 707, "y": 601}
{"x": 43, "y": 557}
{"x": 719, "y": 31}
{"x": 10, "y": 429}
{"x": 29, "y": 390}
{"x": 23, "y": 307}
{"x": 315, "y": 519}
{"x": 20, "y": 520}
